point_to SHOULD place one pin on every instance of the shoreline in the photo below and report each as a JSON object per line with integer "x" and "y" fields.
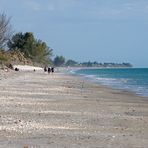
{"x": 41, "y": 110}
{"x": 122, "y": 90}
{"x": 121, "y": 87}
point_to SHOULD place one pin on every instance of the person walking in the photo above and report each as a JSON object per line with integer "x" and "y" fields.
{"x": 52, "y": 69}
{"x": 49, "y": 70}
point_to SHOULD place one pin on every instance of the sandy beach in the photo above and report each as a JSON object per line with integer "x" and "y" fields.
{"x": 38, "y": 110}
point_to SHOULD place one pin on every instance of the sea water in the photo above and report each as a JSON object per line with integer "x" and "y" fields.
{"x": 131, "y": 79}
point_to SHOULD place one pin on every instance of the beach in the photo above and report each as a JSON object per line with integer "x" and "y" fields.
{"x": 40, "y": 110}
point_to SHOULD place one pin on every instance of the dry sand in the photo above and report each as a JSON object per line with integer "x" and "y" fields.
{"x": 38, "y": 110}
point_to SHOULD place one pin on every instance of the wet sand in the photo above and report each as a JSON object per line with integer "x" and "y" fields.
{"x": 38, "y": 110}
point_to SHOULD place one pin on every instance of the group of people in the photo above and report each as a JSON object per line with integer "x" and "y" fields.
{"x": 49, "y": 69}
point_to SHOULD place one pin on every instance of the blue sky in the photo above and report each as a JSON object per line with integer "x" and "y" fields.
{"x": 83, "y": 30}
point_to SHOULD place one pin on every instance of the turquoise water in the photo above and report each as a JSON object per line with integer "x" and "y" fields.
{"x": 132, "y": 79}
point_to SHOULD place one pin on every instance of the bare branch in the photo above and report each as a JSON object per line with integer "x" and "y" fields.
{"x": 5, "y": 30}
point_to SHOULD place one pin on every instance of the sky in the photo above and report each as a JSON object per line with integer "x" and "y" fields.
{"x": 83, "y": 30}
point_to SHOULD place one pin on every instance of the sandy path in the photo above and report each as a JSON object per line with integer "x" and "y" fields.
{"x": 43, "y": 111}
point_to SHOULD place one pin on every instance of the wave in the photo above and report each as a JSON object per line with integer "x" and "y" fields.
{"x": 123, "y": 80}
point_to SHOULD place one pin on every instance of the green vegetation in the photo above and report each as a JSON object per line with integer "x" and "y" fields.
{"x": 59, "y": 61}
{"x": 33, "y": 49}
{"x": 110, "y": 65}
{"x": 71, "y": 63}
{"x": 21, "y": 48}
{"x": 3, "y": 57}
{"x": 24, "y": 48}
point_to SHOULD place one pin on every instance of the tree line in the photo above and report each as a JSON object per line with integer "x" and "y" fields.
{"x": 24, "y": 44}
{"x": 25, "y": 48}
{"x": 61, "y": 61}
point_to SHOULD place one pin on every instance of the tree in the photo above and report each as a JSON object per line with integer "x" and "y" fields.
{"x": 17, "y": 41}
{"x": 41, "y": 53}
{"x": 59, "y": 61}
{"x": 5, "y": 30}
{"x": 29, "y": 45}
{"x": 34, "y": 49}
{"x": 71, "y": 63}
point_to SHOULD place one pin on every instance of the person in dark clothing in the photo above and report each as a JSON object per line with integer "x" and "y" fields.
{"x": 10, "y": 66}
{"x": 16, "y": 69}
{"x": 45, "y": 69}
{"x": 52, "y": 69}
{"x": 49, "y": 70}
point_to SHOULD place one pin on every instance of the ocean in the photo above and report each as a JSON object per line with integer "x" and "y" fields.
{"x": 131, "y": 79}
